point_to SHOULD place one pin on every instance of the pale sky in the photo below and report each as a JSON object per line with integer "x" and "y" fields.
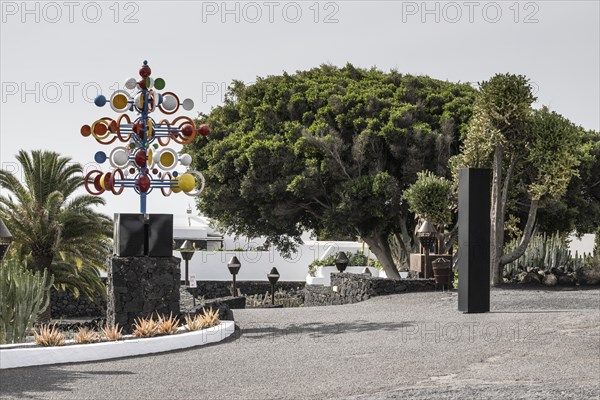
{"x": 51, "y": 51}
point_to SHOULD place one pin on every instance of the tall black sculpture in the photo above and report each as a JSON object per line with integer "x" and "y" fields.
{"x": 474, "y": 203}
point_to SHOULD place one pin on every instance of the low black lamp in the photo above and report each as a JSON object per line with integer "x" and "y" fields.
{"x": 187, "y": 252}
{"x": 427, "y": 236}
{"x": 341, "y": 261}
{"x": 5, "y": 240}
{"x": 234, "y": 266}
{"x": 273, "y": 277}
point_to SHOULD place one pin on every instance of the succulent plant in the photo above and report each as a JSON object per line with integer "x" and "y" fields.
{"x": 48, "y": 335}
{"x": 23, "y": 296}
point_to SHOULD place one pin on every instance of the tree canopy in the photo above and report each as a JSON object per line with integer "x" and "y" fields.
{"x": 533, "y": 154}
{"x": 328, "y": 150}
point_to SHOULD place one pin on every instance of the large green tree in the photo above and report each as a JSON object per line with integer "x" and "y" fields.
{"x": 328, "y": 150}
{"x": 53, "y": 228}
{"x": 579, "y": 210}
{"x": 532, "y": 153}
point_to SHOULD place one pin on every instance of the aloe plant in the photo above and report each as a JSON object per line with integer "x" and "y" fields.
{"x": 23, "y": 295}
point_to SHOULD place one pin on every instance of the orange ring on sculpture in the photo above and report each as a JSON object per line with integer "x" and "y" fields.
{"x": 160, "y": 107}
{"x": 179, "y": 138}
{"x": 168, "y": 137}
{"x": 124, "y": 140}
{"x": 162, "y": 189}
{"x": 86, "y": 182}
{"x": 120, "y": 171}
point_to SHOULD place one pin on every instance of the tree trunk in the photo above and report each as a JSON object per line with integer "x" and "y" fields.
{"x": 527, "y": 235}
{"x": 409, "y": 241}
{"x": 400, "y": 253}
{"x": 43, "y": 262}
{"x": 452, "y": 238}
{"x": 496, "y": 219}
{"x": 380, "y": 247}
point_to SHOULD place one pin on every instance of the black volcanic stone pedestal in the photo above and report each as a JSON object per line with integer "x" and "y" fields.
{"x": 141, "y": 286}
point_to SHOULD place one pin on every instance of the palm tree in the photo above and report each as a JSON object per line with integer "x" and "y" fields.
{"x": 53, "y": 228}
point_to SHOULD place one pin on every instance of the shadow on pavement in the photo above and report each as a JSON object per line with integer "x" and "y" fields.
{"x": 33, "y": 382}
{"x": 314, "y": 330}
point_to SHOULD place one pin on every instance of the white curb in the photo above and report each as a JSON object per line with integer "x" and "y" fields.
{"x": 38, "y": 355}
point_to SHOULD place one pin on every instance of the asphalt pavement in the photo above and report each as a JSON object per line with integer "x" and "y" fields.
{"x": 534, "y": 344}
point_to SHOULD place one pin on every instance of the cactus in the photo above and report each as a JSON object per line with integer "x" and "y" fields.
{"x": 543, "y": 253}
{"x": 23, "y": 295}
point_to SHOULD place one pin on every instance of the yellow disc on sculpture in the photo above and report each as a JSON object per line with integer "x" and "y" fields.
{"x": 120, "y": 101}
{"x": 187, "y": 182}
{"x": 149, "y": 133}
{"x": 167, "y": 159}
{"x": 138, "y": 100}
{"x": 176, "y": 189}
{"x": 102, "y": 181}
{"x": 150, "y": 158}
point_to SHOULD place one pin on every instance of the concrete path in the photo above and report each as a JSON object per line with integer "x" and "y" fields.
{"x": 534, "y": 345}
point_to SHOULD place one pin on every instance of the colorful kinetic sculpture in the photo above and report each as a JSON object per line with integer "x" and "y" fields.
{"x": 144, "y": 162}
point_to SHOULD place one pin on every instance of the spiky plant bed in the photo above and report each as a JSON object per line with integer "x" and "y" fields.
{"x": 63, "y": 350}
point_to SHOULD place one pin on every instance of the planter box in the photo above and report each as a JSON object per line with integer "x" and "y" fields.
{"x": 14, "y": 356}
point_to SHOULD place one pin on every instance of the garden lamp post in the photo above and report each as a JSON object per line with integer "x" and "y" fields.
{"x": 341, "y": 261}
{"x": 234, "y": 266}
{"x": 187, "y": 252}
{"x": 427, "y": 236}
{"x": 5, "y": 240}
{"x": 273, "y": 277}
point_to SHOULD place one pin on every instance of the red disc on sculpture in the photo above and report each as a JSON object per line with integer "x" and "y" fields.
{"x": 144, "y": 183}
{"x": 145, "y": 71}
{"x": 97, "y": 185}
{"x": 137, "y": 129}
{"x": 204, "y": 130}
{"x": 108, "y": 181}
{"x": 140, "y": 158}
{"x": 132, "y": 170}
{"x": 86, "y": 130}
{"x": 155, "y": 171}
{"x": 142, "y": 84}
{"x": 187, "y": 130}
{"x": 112, "y": 126}
{"x": 100, "y": 129}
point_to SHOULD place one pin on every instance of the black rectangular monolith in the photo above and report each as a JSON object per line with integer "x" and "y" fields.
{"x": 474, "y": 201}
{"x": 160, "y": 235}
{"x": 129, "y": 235}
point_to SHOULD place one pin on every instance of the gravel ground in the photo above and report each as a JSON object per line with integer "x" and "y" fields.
{"x": 535, "y": 344}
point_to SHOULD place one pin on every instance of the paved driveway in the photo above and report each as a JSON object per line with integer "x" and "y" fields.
{"x": 534, "y": 345}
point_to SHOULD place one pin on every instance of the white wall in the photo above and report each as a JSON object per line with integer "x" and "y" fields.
{"x": 583, "y": 245}
{"x": 212, "y": 265}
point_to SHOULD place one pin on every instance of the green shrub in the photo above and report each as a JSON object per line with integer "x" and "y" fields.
{"x": 357, "y": 259}
{"x": 23, "y": 295}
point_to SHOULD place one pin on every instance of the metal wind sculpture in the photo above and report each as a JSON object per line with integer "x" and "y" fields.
{"x": 144, "y": 163}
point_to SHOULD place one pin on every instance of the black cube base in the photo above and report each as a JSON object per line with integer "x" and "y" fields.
{"x": 137, "y": 235}
{"x": 474, "y": 203}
